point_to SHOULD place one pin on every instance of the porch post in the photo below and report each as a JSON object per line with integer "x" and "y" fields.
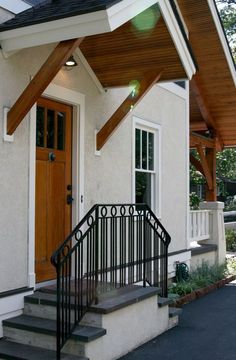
{"x": 216, "y": 227}
{"x": 211, "y": 194}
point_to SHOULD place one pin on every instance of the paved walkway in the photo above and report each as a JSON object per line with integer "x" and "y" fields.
{"x": 207, "y": 331}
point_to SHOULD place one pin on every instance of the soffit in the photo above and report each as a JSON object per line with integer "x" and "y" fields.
{"x": 217, "y": 85}
{"x": 127, "y": 53}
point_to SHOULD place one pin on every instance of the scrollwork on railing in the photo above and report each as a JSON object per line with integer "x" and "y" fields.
{"x": 114, "y": 245}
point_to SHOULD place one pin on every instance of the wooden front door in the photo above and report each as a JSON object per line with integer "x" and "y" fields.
{"x": 53, "y": 183}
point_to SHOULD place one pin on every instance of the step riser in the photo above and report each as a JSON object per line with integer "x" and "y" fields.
{"x": 174, "y": 321}
{"x": 127, "y": 329}
{"x": 144, "y": 319}
{"x": 41, "y": 311}
{"x": 46, "y": 341}
{"x": 30, "y": 338}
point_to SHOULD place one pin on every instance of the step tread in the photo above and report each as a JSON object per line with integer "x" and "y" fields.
{"x": 108, "y": 302}
{"x": 15, "y": 351}
{"x": 120, "y": 298}
{"x": 162, "y": 301}
{"x": 173, "y": 311}
{"x": 46, "y": 326}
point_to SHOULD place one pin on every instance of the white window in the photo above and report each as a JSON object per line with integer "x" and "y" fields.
{"x": 146, "y": 157}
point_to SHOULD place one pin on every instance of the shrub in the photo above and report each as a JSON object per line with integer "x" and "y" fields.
{"x": 200, "y": 277}
{"x": 182, "y": 288}
{"x": 194, "y": 201}
{"x": 230, "y": 236}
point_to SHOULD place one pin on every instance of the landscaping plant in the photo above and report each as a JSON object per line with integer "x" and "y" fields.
{"x": 200, "y": 277}
{"x": 230, "y": 236}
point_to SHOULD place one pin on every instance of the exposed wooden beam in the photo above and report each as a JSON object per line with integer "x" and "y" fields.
{"x": 202, "y": 140}
{"x": 196, "y": 163}
{"x": 40, "y": 82}
{"x": 205, "y": 166}
{"x": 198, "y": 126}
{"x": 149, "y": 79}
{"x": 204, "y": 108}
{"x": 211, "y": 194}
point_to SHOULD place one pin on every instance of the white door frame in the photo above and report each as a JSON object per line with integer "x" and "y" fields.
{"x": 77, "y": 100}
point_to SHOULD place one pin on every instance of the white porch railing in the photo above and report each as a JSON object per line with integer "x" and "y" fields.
{"x": 199, "y": 225}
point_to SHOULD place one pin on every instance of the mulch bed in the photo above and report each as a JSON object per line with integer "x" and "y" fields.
{"x": 203, "y": 291}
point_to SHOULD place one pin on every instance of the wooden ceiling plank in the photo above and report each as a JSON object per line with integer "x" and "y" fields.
{"x": 149, "y": 79}
{"x": 205, "y": 166}
{"x": 39, "y": 83}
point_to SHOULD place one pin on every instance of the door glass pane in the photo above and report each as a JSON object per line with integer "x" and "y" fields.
{"x": 60, "y": 131}
{"x": 40, "y": 127}
{"x": 137, "y": 148}
{"x": 150, "y": 151}
{"x": 50, "y": 129}
{"x": 143, "y": 187}
{"x": 144, "y": 150}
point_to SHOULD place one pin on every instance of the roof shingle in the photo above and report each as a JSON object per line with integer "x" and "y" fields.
{"x": 50, "y": 10}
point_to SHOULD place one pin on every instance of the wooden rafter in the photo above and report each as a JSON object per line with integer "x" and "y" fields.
{"x": 40, "y": 82}
{"x": 196, "y": 139}
{"x": 204, "y": 109}
{"x": 149, "y": 79}
{"x": 205, "y": 166}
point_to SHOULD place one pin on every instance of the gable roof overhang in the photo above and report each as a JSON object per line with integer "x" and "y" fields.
{"x": 105, "y": 18}
{"x": 118, "y": 57}
{"x": 212, "y": 89}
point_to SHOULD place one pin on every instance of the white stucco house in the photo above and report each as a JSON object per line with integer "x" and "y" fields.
{"x": 113, "y": 129}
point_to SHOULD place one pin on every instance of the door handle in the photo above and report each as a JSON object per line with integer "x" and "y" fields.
{"x": 69, "y": 199}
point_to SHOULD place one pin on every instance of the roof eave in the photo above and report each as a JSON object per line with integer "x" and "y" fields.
{"x": 178, "y": 38}
{"x": 75, "y": 26}
{"x": 223, "y": 39}
{"x": 96, "y": 23}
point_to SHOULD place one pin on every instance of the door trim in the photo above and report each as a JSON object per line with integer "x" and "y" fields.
{"x": 77, "y": 100}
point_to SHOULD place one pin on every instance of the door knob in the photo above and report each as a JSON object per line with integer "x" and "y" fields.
{"x": 51, "y": 156}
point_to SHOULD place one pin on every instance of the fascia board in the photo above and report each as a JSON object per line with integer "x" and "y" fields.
{"x": 126, "y": 10}
{"x": 54, "y": 31}
{"x": 72, "y": 27}
{"x": 223, "y": 40}
{"x": 14, "y": 6}
{"x": 177, "y": 38}
{"x": 95, "y": 23}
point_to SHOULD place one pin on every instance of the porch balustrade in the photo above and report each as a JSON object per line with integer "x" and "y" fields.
{"x": 199, "y": 225}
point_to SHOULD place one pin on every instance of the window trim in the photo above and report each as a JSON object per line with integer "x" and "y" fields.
{"x": 149, "y": 126}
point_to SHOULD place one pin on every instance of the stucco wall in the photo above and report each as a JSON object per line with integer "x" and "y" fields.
{"x": 108, "y": 178}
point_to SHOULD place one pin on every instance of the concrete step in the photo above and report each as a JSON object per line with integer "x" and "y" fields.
{"x": 30, "y": 330}
{"x": 162, "y": 301}
{"x": 43, "y": 304}
{"x": 174, "y": 314}
{"x": 131, "y": 317}
{"x": 14, "y": 351}
{"x": 173, "y": 311}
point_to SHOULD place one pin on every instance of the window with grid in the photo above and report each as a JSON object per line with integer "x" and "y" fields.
{"x": 146, "y": 177}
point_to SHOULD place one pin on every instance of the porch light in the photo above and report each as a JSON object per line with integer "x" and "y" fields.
{"x": 71, "y": 62}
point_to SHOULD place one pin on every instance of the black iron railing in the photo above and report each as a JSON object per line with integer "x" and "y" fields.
{"x": 113, "y": 246}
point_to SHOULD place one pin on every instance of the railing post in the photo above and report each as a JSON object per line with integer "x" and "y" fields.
{"x": 144, "y": 247}
{"x": 165, "y": 287}
{"x": 96, "y": 252}
{"x": 58, "y": 309}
